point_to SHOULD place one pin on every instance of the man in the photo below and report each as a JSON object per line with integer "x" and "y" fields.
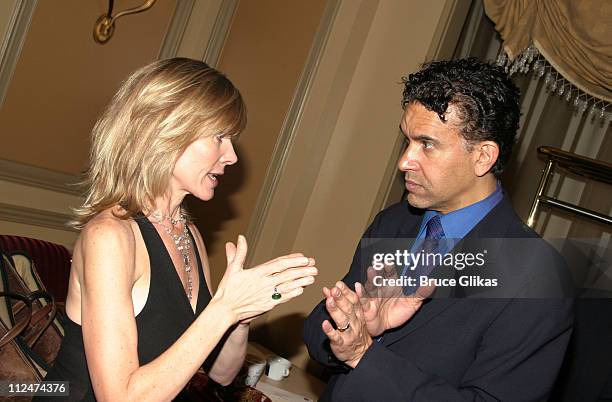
{"x": 460, "y": 122}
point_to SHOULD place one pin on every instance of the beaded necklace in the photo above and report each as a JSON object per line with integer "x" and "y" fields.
{"x": 182, "y": 242}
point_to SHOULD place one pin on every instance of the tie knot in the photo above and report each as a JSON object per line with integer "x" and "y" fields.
{"x": 434, "y": 228}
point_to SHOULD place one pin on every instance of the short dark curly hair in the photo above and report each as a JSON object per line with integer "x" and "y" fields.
{"x": 486, "y": 100}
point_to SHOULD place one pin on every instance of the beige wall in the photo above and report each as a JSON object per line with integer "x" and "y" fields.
{"x": 63, "y": 78}
{"x": 343, "y": 146}
{"x": 60, "y": 84}
{"x": 341, "y": 150}
{"x": 36, "y": 205}
{"x": 63, "y": 237}
{"x": 264, "y": 54}
{"x": 6, "y": 11}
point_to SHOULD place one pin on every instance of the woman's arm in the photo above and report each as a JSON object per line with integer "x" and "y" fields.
{"x": 231, "y": 357}
{"x": 109, "y": 326}
{"x": 229, "y": 361}
{"x": 233, "y": 351}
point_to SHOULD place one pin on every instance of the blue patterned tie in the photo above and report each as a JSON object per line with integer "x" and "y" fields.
{"x": 433, "y": 233}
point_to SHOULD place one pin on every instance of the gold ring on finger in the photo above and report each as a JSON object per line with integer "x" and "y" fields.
{"x": 344, "y": 328}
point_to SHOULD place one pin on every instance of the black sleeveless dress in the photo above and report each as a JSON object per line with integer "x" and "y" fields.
{"x": 166, "y": 315}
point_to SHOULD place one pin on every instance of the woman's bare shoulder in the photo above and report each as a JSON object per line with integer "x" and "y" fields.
{"x": 105, "y": 249}
{"x": 106, "y": 230}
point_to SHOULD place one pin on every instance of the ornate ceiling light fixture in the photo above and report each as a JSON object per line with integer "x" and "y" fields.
{"x": 105, "y": 25}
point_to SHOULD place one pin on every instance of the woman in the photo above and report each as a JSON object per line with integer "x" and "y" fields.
{"x": 141, "y": 317}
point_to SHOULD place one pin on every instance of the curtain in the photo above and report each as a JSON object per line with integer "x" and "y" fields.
{"x": 575, "y": 37}
{"x": 548, "y": 119}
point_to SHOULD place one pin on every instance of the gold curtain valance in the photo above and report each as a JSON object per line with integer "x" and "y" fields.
{"x": 575, "y": 37}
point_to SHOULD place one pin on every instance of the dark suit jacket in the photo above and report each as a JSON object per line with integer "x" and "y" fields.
{"x": 459, "y": 348}
{"x": 586, "y": 373}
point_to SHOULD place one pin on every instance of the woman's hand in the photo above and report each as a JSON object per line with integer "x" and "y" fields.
{"x": 248, "y": 292}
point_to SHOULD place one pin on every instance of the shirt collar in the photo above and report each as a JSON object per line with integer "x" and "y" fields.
{"x": 457, "y": 224}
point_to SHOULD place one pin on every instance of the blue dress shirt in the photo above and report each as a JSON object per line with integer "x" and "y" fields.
{"x": 459, "y": 223}
{"x": 456, "y": 224}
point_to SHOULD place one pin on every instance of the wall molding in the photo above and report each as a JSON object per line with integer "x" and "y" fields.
{"x": 448, "y": 30}
{"x": 34, "y": 176}
{"x": 36, "y": 217}
{"x": 288, "y": 130}
{"x": 442, "y": 46}
{"x": 199, "y": 29}
{"x": 219, "y": 32}
{"x": 392, "y": 185}
{"x": 472, "y": 27}
{"x": 176, "y": 30}
{"x": 13, "y": 41}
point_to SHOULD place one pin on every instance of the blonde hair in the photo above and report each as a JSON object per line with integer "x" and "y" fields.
{"x": 156, "y": 113}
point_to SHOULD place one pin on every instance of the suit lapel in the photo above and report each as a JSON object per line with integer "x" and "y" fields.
{"x": 493, "y": 225}
{"x": 430, "y": 309}
{"x": 410, "y": 229}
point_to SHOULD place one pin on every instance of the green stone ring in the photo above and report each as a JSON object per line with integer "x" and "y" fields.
{"x": 276, "y": 295}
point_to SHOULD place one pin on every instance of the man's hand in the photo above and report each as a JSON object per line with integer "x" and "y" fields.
{"x": 350, "y": 340}
{"x": 386, "y": 307}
